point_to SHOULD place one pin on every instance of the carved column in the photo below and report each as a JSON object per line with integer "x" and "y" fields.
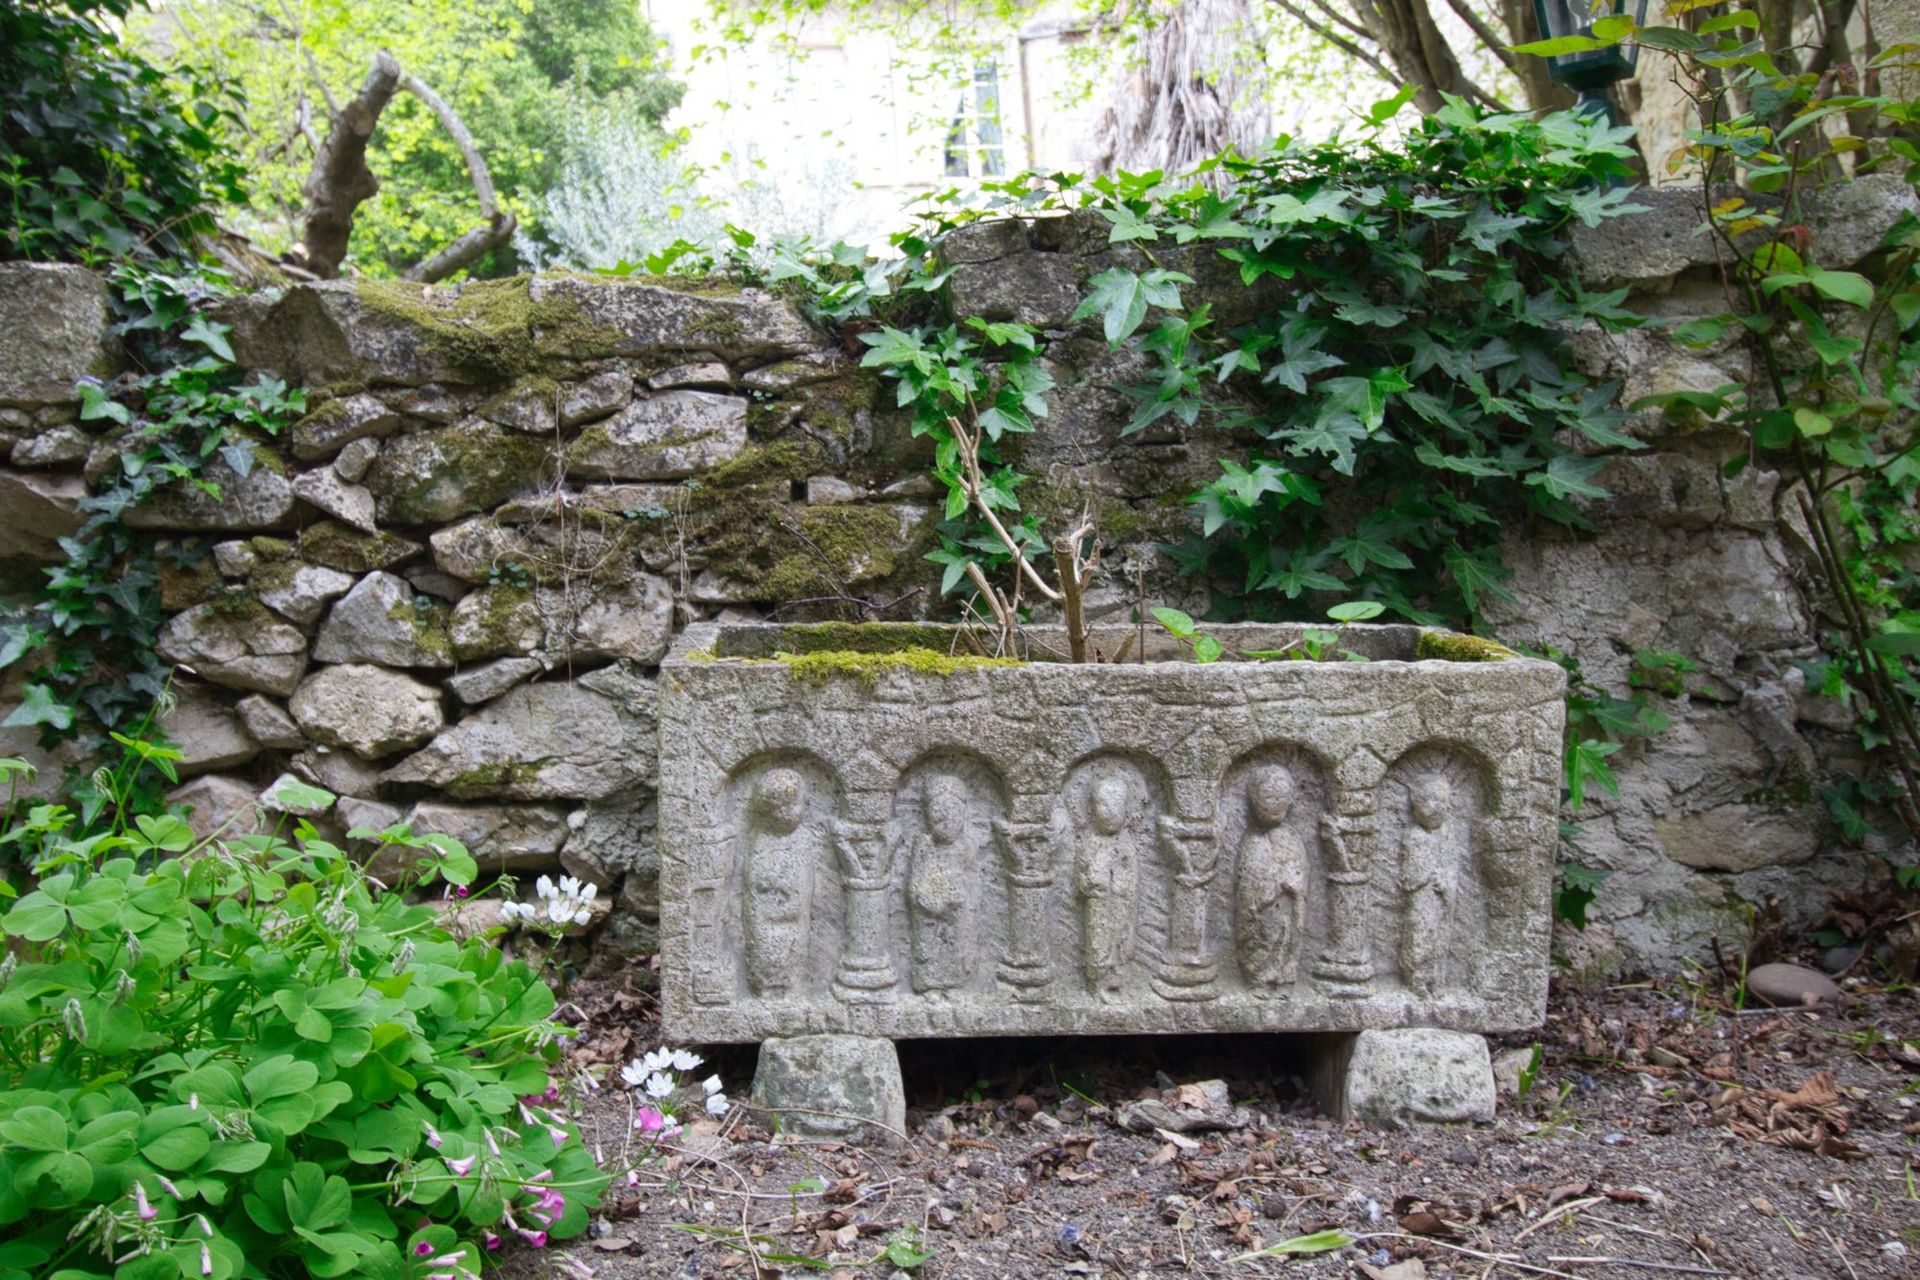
{"x": 1188, "y": 972}
{"x": 866, "y": 952}
{"x": 1027, "y": 849}
{"x": 1345, "y": 962}
{"x": 714, "y": 978}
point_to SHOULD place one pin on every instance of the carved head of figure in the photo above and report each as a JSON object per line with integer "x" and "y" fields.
{"x": 946, "y": 806}
{"x": 1108, "y": 804}
{"x": 1431, "y": 799}
{"x": 1271, "y": 795}
{"x": 779, "y": 801}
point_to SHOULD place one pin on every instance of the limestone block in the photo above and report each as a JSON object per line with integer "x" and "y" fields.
{"x": 336, "y": 332}
{"x": 235, "y": 558}
{"x": 528, "y": 407}
{"x": 878, "y": 848}
{"x": 351, "y": 504}
{"x": 368, "y": 710}
{"x": 261, "y": 499}
{"x": 279, "y": 796}
{"x": 1646, "y": 250}
{"x": 496, "y": 621}
{"x": 268, "y": 723}
{"x": 349, "y": 550}
{"x": 1040, "y": 289}
{"x": 351, "y": 463}
{"x": 217, "y": 805}
{"x": 58, "y": 447}
{"x": 1399, "y": 1076}
{"x": 206, "y": 731}
{"x": 629, "y": 318}
{"x": 298, "y": 592}
{"x": 503, "y": 838}
{"x": 341, "y": 772}
{"x": 595, "y": 398}
{"x": 469, "y": 550}
{"x": 663, "y": 437}
{"x": 828, "y": 1085}
{"x": 382, "y": 621}
{"x": 241, "y": 647}
{"x": 489, "y": 680}
{"x": 632, "y": 619}
{"x": 547, "y": 741}
{"x": 700, "y": 373}
{"x": 338, "y": 423}
{"x": 431, "y": 477}
{"x": 36, "y": 511}
{"x": 56, "y": 331}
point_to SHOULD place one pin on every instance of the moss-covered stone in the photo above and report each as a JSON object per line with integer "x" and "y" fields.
{"x": 830, "y": 664}
{"x": 835, "y": 547}
{"x": 1451, "y": 646}
{"x": 338, "y": 546}
{"x": 491, "y": 330}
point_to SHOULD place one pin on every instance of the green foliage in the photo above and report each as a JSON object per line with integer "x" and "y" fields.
{"x": 102, "y": 157}
{"x": 89, "y": 633}
{"x": 514, "y": 72}
{"x": 233, "y": 1057}
{"x": 1834, "y": 409}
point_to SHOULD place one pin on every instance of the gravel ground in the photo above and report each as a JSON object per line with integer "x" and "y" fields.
{"x": 1666, "y": 1134}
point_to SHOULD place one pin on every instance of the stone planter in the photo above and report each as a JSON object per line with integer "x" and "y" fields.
{"x": 894, "y": 843}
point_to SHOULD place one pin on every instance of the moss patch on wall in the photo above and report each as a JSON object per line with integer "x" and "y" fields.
{"x": 339, "y": 546}
{"x": 491, "y": 330}
{"x": 838, "y": 664}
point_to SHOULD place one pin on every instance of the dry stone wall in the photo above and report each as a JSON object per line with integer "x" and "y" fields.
{"x": 445, "y": 593}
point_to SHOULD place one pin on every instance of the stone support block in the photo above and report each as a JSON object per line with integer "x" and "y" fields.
{"x": 832, "y": 1086}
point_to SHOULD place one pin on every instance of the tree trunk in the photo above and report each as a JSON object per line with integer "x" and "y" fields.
{"x": 1189, "y": 96}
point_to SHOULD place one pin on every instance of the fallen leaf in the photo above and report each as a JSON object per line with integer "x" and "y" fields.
{"x": 1406, "y": 1269}
{"x": 1425, "y": 1223}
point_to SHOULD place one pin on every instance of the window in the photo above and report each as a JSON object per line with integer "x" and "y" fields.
{"x": 974, "y": 144}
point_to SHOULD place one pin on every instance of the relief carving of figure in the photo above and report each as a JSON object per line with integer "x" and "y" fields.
{"x": 1107, "y": 881}
{"x": 1270, "y": 895}
{"x": 940, "y": 891}
{"x": 1437, "y": 847}
{"x": 781, "y": 851}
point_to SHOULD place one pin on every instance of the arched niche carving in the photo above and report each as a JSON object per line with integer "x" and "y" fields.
{"x": 781, "y": 824}
{"x": 1432, "y": 887}
{"x": 946, "y": 836}
{"x": 1274, "y": 816}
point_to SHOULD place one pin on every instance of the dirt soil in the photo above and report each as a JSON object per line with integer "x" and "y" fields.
{"x": 1666, "y": 1134}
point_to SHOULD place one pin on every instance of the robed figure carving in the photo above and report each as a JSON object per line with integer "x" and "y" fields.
{"x": 1107, "y": 882}
{"x": 942, "y": 898}
{"x": 782, "y": 850}
{"x": 1437, "y": 848}
{"x": 1270, "y": 896}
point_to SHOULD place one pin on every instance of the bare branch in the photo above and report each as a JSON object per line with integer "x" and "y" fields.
{"x": 1485, "y": 32}
{"x": 340, "y": 181}
{"x": 1341, "y": 43}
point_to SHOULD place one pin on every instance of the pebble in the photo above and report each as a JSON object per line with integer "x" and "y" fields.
{"x": 1787, "y": 985}
{"x": 1839, "y": 959}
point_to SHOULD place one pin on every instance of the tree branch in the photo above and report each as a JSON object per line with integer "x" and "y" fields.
{"x": 1485, "y": 32}
{"x": 1341, "y": 43}
{"x": 340, "y": 181}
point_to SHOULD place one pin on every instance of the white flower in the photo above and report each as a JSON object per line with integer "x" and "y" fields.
{"x": 683, "y": 1060}
{"x": 511, "y": 911}
{"x": 635, "y": 1073}
{"x": 660, "y": 1085}
{"x": 717, "y": 1104}
{"x": 711, "y": 1084}
{"x": 657, "y": 1060}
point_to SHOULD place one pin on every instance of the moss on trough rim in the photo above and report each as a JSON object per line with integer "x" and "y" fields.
{"x": 826, "y": 664}
{"x": 1452, "y": 646}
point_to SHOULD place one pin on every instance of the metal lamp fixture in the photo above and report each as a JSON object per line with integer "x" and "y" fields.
{"x": 1590, "y": 73}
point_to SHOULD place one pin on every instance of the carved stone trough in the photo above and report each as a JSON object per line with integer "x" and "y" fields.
{"x": 861, "y": 837}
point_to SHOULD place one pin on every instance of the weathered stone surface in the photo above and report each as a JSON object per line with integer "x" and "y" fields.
{"x": 339, "y": 423}
{"x": 830, "y": 1085}
{"x": 496, "y": 621}
{"x": 261, "y": 499}
{"x": 1790, "y": 985}
{"x": 627, "y": 318}
{"x": 351, "y": 504}
{"x": 218, "y": 806}
{"x": 241, "y": 647}
{"x": 268, "y": 723}
{"x": 528, "y": 407}
{"x": 1738, "y": 837}
{"x": 352, "y": 462}
{"x": 36, "y": 511}
{"x": 56, "y": 331}
{"x": 700, "y": 373}
{"x": 349, "y": 550}
{"x": 1043, "y": 290}
{"x": 357, "y": 814}
{"x": 663, "y": 437}
{"x": 431, "y": 477}
{"x": 1056, "y": 848}
{"x": 341, "y": 772}
{"x": 55, "y": 447}
{"x": 469, "y": 550}
{"x": 1649, "y": 250}
{"x": 548, "y": 741}
{"x": 299, "y": 592}
{"x": 282, "y": 795}
{"x": 489, "y": 680}
{"x": 503, "y": 838}
{"x": 829, "y": 490}
{"x": 208, "y": 733}
{"x": 382, "y": 621}
{"x": 341, "y": 332}
{"x": 368, "y": 710}
{"x": 235, "y": 558}
{"x": 597, "y": 397}
{"x": 1510, "y": 1068}
{"x": 1408, "y": 1074}
{"x": 631, "y": 620}
{"x": 430, "y": 403}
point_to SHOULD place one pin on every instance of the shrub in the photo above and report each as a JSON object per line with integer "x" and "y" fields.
{"x": 238, "y": 1057}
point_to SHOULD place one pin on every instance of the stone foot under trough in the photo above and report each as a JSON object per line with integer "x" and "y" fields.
{"x": 1402, "y": 1076}
{"x": 832, "y": 1086}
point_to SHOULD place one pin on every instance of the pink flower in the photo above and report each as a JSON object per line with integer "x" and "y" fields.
{"x": 167, "y": 1186}
{"x": 648, "y": 1120}
{"x": 461, "y": 1167}
{"x": 146, "y": 1210}
{"x": 490, "y": 1240}
{"x": 558, "y": 1135}
{"x": 460, "y": 891}
{"x": 422, "y": 1249}
{"x": 538, "y": 1239}
{"x": 206, "y": 1261}
{"x": 433, "y": 1137}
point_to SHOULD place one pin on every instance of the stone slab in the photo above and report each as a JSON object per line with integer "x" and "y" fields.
{"x": 1047, "y": 848}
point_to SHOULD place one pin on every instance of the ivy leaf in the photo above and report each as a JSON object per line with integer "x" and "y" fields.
{"x": 1356, "y": 610}
{"x": 1176, "y": 622}
{"x": 1369, "y": 544}
{"x": 210, "y": 334}
{"x": 1475, "y": 576}
{"x": 1587, "y": 762}
{"x": 1121, "y": 298}
{"x": 1568, "y": 475}
{"x": 39, "y": 705}
{"x": 1465, "y": 464}
{"x": 1128, "y": 225}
